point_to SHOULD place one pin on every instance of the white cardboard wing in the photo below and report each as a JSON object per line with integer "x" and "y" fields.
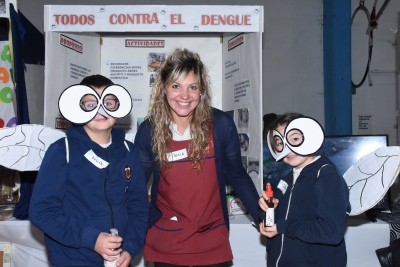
{"x": 130, "y": 136}
{"x": 371, "y": 177}
{"x": 22, "y": 147}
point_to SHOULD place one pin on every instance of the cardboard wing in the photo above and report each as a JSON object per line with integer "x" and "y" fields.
{"x": 23, "y": 147}
{"x": 371, "y": 177}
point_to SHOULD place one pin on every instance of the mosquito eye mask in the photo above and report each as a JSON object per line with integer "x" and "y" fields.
{"x": 303, "y": 135}
{"x": 80, "y": 103}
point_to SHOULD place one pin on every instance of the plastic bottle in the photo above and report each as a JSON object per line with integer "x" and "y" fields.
{"x": 269, "y": 219}
{"x": 230, "y": 196}
{"x": 114, "y": 232}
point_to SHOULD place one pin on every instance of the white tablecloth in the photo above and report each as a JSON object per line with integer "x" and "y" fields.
{"x": 362, "y": 239}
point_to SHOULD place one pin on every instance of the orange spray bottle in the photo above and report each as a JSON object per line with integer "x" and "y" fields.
{"x": 269, "y": 219}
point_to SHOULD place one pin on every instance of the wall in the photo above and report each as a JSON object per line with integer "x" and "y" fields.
{"x": 379, "y": 99}
{"x": 293, "y": 65}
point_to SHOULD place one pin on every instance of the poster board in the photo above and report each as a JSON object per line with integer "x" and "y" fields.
{"x": 5, "y": 7}
{"x": 121, "y": 42}
{"x": 242, "y": 94}
{"x": 66, "y": 65}
{"x": 135, "y": 67}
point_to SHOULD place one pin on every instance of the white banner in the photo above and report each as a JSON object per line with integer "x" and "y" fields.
{"x": 154, "y": 18}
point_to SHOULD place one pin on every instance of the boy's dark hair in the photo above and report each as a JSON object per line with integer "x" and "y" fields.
{"x": 96, "y": 80}
{"x": 268, "y": 120}
{"x": 281, "y": 120}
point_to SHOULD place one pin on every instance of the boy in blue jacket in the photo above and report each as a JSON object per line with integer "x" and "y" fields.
{"x": 311, "y": 202}
{"x": 91, "y": 181}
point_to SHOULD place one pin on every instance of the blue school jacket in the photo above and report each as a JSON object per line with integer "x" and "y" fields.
{"x": 310, "y": 218}
{"x": 73, "y": 202}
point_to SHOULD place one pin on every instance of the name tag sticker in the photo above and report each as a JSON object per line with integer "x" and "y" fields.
{"x": 177, "y": 155}
{"x": 282, "y": 186}
{"x": 96, "y": 160}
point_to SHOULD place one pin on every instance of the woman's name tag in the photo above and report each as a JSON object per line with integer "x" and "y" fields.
{"x": 177, "y": 155}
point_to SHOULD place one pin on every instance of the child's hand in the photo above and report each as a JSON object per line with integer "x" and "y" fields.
{"x": 124, "y": 259}
{"x": 108, "y": 245}
{"x": 268, "y": 231}
{"x": 263, "y": 204}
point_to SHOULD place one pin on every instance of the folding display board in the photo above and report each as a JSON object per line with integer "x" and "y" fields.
{"x": 127, "y": 43}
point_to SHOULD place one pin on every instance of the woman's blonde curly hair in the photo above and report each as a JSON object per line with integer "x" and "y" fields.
{"x": 177, "y": 66}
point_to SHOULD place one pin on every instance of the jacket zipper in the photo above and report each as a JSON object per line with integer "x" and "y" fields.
{"x": 105, "y": 192}
{"x": 286, "y": 216}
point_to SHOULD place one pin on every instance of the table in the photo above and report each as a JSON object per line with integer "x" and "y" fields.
{"x": 362, "y": 237}
{"x": 28, "y": 247}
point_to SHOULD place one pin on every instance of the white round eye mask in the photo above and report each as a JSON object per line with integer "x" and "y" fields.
{"x": 304, "y": 136}
{"x": 70, "y": 103}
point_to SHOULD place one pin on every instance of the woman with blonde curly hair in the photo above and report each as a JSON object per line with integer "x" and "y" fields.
{"x": 189, "y": 148}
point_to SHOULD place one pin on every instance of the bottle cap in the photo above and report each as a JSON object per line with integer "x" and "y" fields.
{"x": 269, "y": 191}
{"x": 114, "y": 232}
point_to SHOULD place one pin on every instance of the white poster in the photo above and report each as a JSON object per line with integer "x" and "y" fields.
{"x": 5, "y": 7}
{"x": 133, "y": 62}
{"x": 69, "y": 58}
{"x": 243, "y": 90}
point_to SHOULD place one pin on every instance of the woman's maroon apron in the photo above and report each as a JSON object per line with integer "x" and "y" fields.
{"x": 192, "y": 230}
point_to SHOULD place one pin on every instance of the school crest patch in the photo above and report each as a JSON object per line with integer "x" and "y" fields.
{"x": 127, "y": 172}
